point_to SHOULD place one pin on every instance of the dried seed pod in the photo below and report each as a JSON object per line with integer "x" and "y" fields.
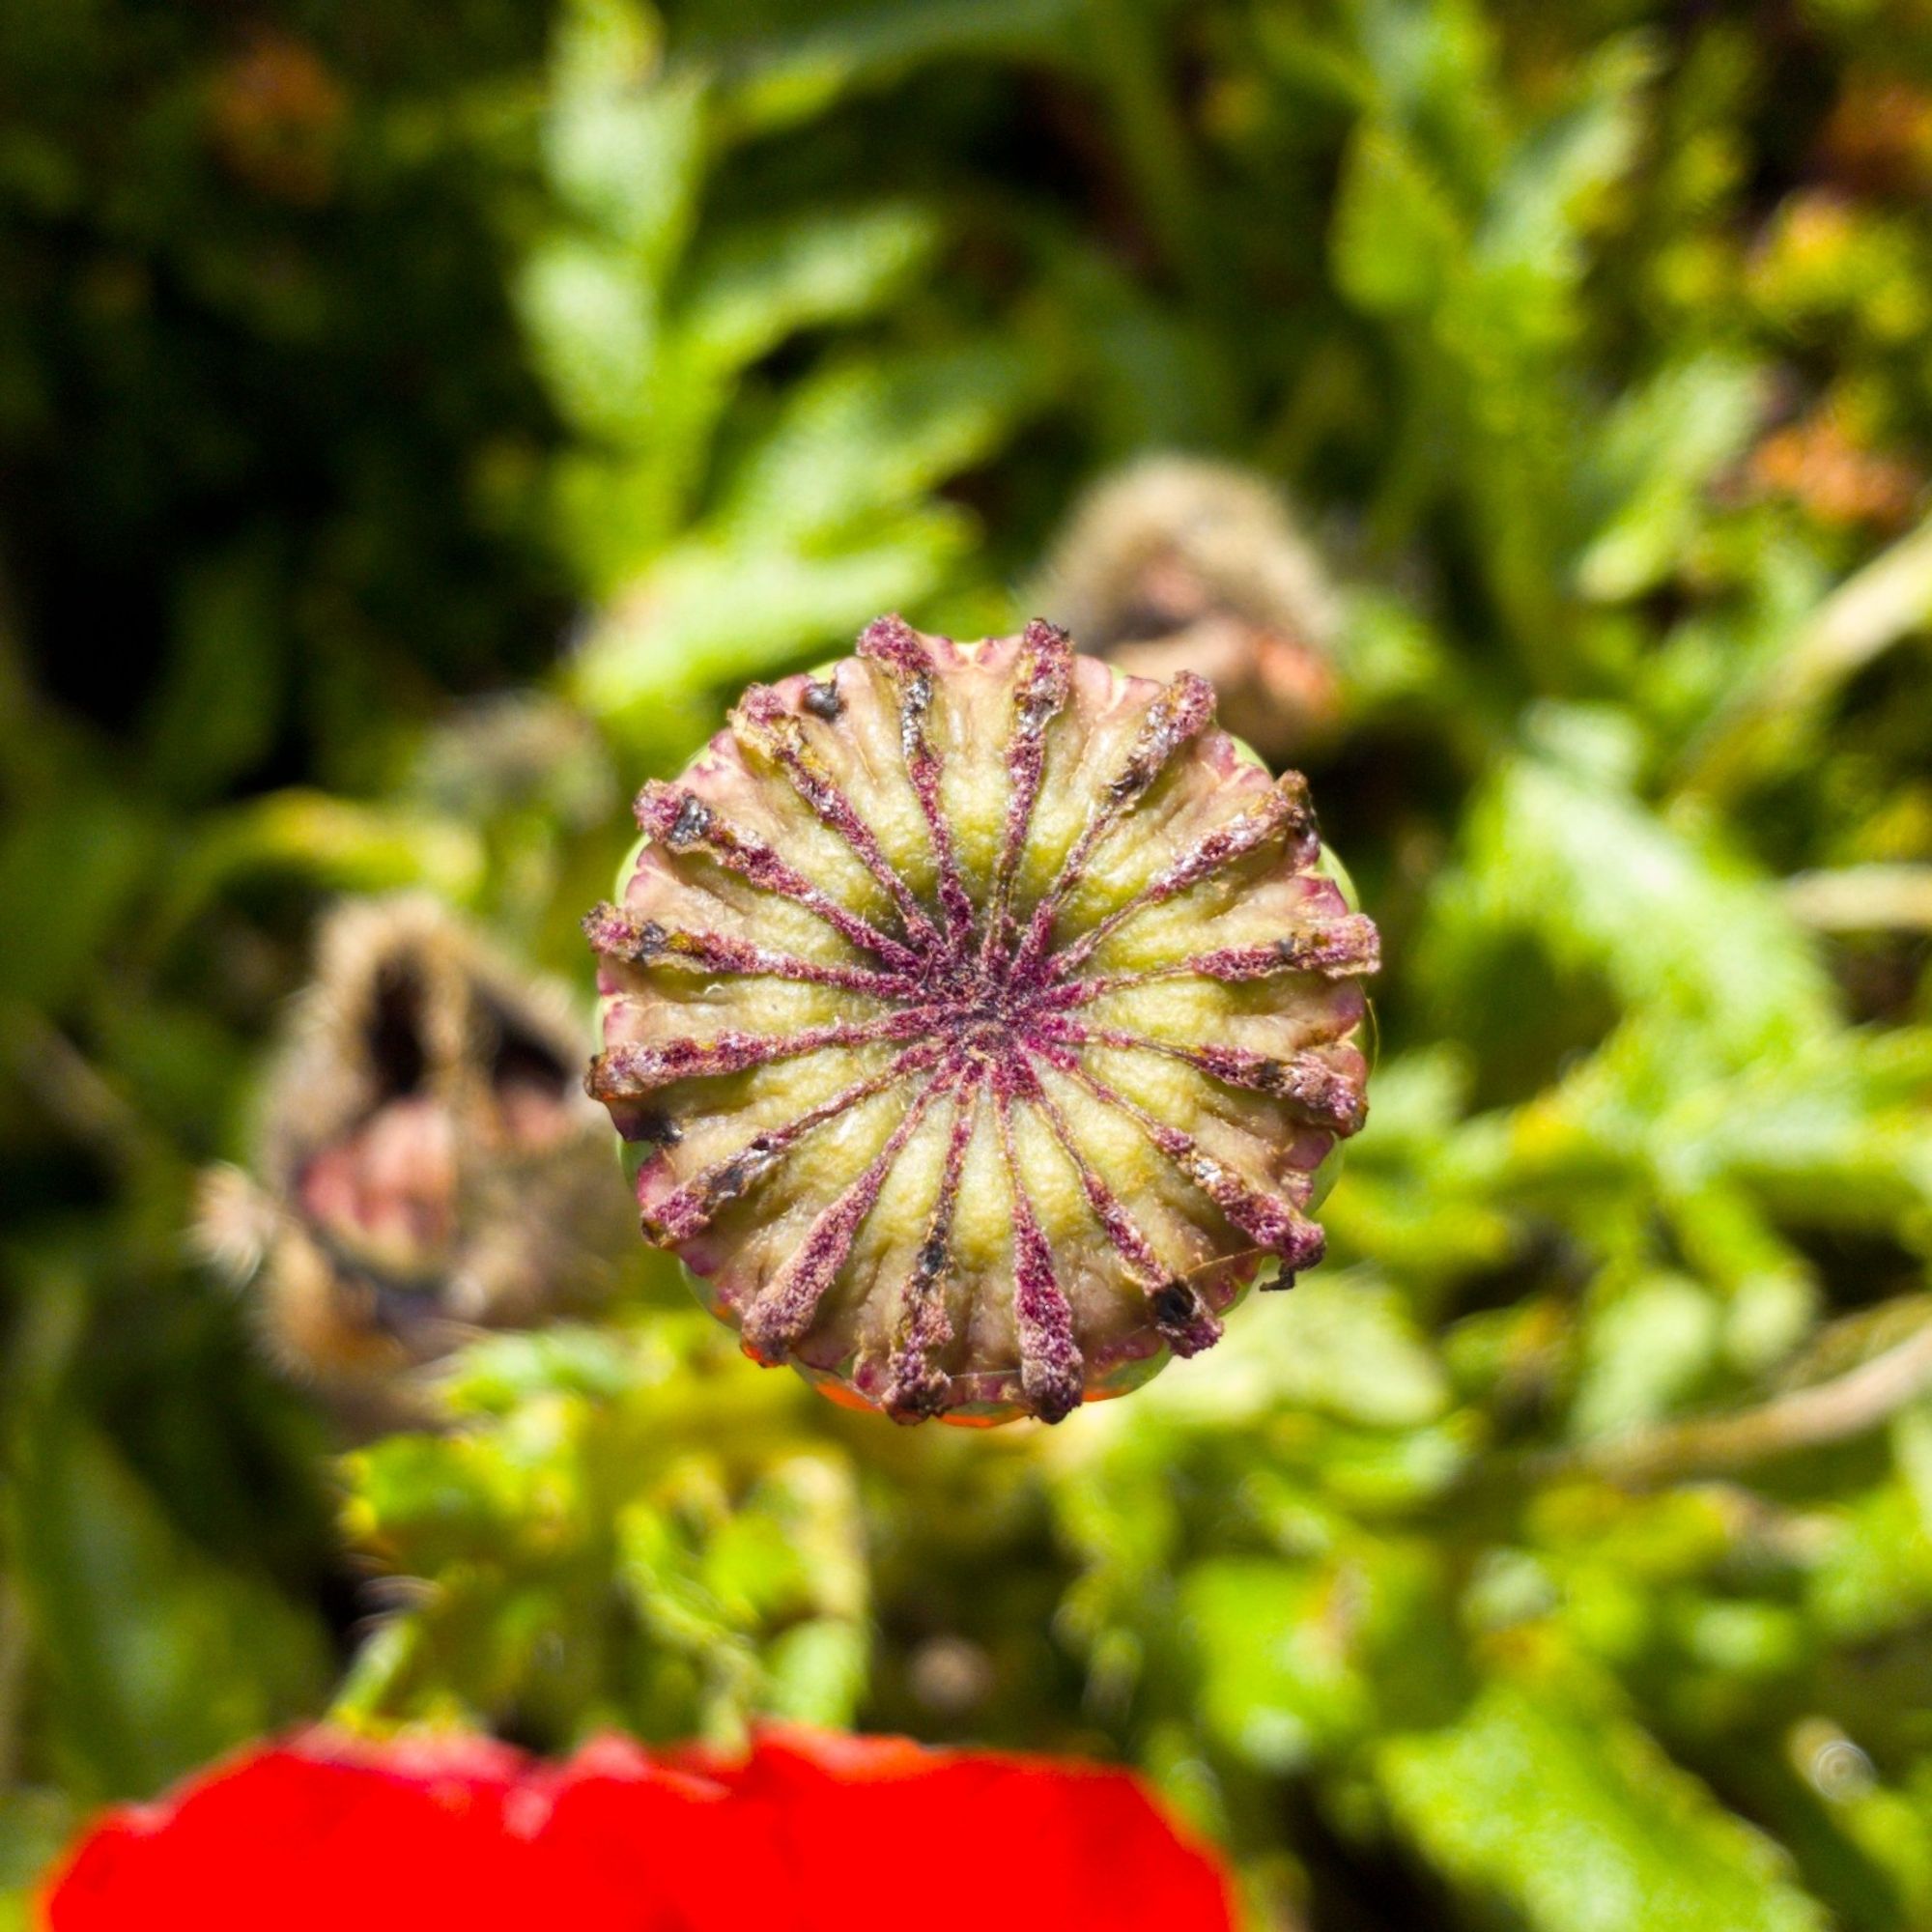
{"x": 1177, "y": 565}
{"x": 978, "y": 1018}
{"x": 426, "y": 1166}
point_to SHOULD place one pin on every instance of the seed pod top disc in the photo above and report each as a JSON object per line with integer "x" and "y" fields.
{"x": 979, "y": 1017}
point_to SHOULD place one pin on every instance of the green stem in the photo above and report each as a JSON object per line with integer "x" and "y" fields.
{"x": 1128, "y": 62}
{"x": 1878, "y": 605}
{"x": 1807, "y": 1418}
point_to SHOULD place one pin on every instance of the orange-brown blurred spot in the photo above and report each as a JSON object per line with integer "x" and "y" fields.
{"x": 1878, "y": 138}
{"x": 276, "y": 119}
{"x": 1816, "y": 464}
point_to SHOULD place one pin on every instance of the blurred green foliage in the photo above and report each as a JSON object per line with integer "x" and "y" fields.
{"x": 1560, "y": 1554}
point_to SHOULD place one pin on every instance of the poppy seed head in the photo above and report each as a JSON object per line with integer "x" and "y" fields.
{"x": 978, "y": 1018}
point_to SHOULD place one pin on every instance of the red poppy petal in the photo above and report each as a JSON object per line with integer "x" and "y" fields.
{"x": 880, "y": 1831}
{"x": 809, "y": 1832}
{"x": 308, "y": 1835}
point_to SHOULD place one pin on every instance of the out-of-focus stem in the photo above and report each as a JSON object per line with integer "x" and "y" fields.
{"x": 1808, "y": 1418}
{"x": 1126, "y": 62}
{"x": 70, "y": 1088}
{"x": 1871, "y": 611}
{"x": 1864, "y": 898}
{"x": 13, "y": 1673}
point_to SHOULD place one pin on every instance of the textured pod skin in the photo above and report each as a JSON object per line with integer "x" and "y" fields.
{"x": 978, "y": 1019}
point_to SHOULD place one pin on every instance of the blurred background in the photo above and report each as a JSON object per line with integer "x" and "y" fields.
{"x": 416, "y": 422}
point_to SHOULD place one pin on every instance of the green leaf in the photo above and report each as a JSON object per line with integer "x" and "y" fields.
{"x": 1873, "y": 1574}
{"x": 1658, "y": 454}
{"x": 776, "y": 79}
{"x": 712, "y": 615}
{"x": 1670, "y": 918}
{"x": 1645, "y": 1351}
{"x": 761, "y": 282}
{"x": 336, "y": 842}
{"x": 1342, "y": 1345}
{"x": 34, "y": 1826}
{"x": 1296, "y": 1659}
{"x": 868, "y": 438}
{"x": 77, "y": 861}
{"x": 1766, "y": 711}
{"x": 1581, "y": 1824}
{"x": 593, "y": 324}
{"x": 1530, "y": 251}
{"x": 817, "y": 1673}
{"x": 1395, "y": 239}
{"x": 218, "y": 707}
{"x": 158, "y": 1659}
{"x": 625, "y": 154}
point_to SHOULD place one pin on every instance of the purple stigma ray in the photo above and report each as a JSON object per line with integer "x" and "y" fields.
{"x": 1052, "y": 1372}
{"x": 619, "y": 935}
{"x": 1184, "y": 1321}
{"x": 1267, "y": 1221}
{"x": 681, "y": 820}
{"x": 691, "y": 1208}
{"x": 1176, "y": 718}
{"x": 629, "y": 1073}
{"x": 1046, "y": 678}
{"x": 1313, "y": 1089}
{"x": 764, "y": 723}
{"x": 891, "y": 644}
{"x": 783, "y": 1312}
{"x": 1242, "y": 835}
{"x": 914, "y": 1385}
{"x": 1335, "y": 949}
{"x": 1332, "y": 949}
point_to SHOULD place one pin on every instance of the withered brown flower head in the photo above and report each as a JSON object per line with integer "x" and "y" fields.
{"x": 1174, "y": 563}
{"x": 426, "y": 1166}
{"x": 978, "y": 1018}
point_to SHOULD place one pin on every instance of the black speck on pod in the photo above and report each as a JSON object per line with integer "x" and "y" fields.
{"x": 821, "y": 699}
